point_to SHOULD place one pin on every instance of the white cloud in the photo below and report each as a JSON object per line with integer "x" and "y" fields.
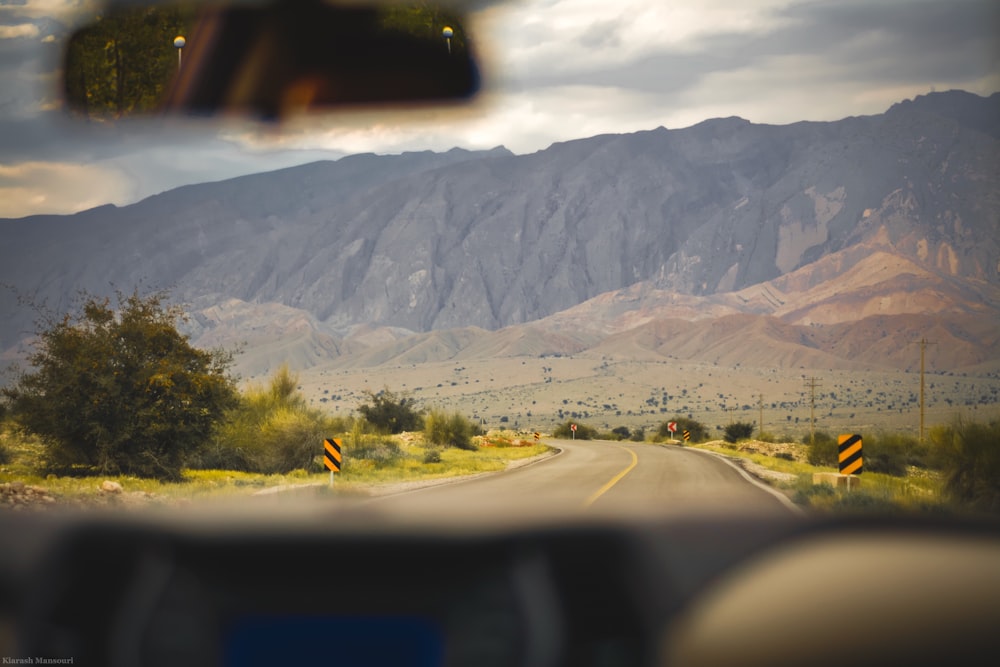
{"x": 19, "y": 30}
{"x": 51, "y": 187}
{"x": 50, "y": 8}
{"x": 580, "y": 35}
{"x": 559, "y": 70}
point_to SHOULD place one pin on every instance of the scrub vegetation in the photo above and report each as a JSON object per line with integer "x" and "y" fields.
{"x": 116, "y": 392}
{"x": 956, "y": 471}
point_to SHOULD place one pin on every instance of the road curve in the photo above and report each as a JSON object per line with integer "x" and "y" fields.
{"x": 595, "y": 478}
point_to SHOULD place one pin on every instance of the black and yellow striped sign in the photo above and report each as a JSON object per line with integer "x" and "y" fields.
{"x": 537, "y": 435}
{"x": 331, "y": 454}
{"x": 687, "y": 435}
{"x": 849, "y": 448}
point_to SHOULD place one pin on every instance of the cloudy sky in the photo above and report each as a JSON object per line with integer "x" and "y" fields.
{"x": 554, "y": 69}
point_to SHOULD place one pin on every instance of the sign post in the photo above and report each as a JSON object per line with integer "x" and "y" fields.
{"x": 331, "y": 456}
{"x": 672, "y": 427}
{"x": 849, "y": 454}
{"x": 572, "y": 427}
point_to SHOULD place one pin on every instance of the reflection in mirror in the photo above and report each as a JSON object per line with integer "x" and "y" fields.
{"x": 268, "y": 60}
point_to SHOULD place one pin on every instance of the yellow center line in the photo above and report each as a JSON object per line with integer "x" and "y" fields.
{"x": 614, "y": 480}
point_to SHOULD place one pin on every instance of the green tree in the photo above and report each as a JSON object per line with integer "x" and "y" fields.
{"x": 698, "y": 431}
{"x": 125, "y": 60}
{"x": 118, "y": 390}
{"x": 391, "y": 413}
{"x": 737, "y": 431}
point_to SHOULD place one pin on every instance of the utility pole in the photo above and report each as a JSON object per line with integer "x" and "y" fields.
{"x": 923, "y": 347}
{"x": 812, "y": 383}
{"x": 760, "y": 429}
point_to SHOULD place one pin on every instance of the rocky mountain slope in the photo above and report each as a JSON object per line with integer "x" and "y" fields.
{"x": 812, "y": 243}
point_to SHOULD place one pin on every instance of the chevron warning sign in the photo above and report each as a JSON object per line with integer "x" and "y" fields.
{"x": 849, "y": 447}
{"x": 331, "y": 454}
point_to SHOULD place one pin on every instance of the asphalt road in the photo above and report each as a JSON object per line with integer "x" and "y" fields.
{"x": 593, "y": 478}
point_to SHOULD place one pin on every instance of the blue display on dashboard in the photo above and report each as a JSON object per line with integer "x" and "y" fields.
{"x": 344, "y": 641}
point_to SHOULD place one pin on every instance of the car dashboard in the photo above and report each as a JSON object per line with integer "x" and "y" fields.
{"x": 127, "y": 590}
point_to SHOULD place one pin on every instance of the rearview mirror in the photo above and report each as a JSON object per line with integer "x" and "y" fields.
{"x": 267, "y": 59}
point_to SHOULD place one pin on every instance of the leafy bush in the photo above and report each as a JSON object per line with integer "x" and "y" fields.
{"x": 391, "y": 413}
{"x": 698, "y": 431}
{"x": 583, "y": 432}
{"x": 737, "y": 431}
{"x": 117, "y": 389}
{"x": 271, "y": 430}
{"x": 432, "y": 456}
{"x": 638, "y": 435}
{"x": 824, "y": 450}
{"x": 887, "y": 453}
{"x": 448, "y": 430}
{"x": 380, "y": 450}
{"x": 968, "y": 453}
{"x": 806, "y": 491}
{"x": 620, "y": 433}
{"x": 890, "y": 453}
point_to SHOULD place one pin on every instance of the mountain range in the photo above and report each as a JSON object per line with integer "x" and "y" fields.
{"x": 814, "y": 245}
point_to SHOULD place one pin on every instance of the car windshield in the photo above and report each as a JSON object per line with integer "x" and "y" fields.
{"x": 669, "y": 258}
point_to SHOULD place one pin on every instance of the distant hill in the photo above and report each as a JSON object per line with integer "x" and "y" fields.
{"x": 825, "y": 244}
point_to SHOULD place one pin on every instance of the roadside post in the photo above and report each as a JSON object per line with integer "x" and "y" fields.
{"x": 332, "y": 456}
{"x": 572, "y": 427}
{"x": 850, "y": 459}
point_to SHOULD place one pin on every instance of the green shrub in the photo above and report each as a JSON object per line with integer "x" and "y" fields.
{"x": 824, "y": 450}
{"x": 737, "y": 431}
{"x": 968, "y": 454}
{"x": 620, "y": 433}
{"x": 391, "y": 413}
{"x": 890, "y": 453}
{"x": 638, "y": 435}
{"x": 445, "y": 430}
{"x": 271, "y": 430}
{"x": 698, "y": 431}
{"x": 432, "y": 456}
{"x": 806, "y": 491}
{"x": 380, "y": 450}
{"x": 583, "y": 432}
